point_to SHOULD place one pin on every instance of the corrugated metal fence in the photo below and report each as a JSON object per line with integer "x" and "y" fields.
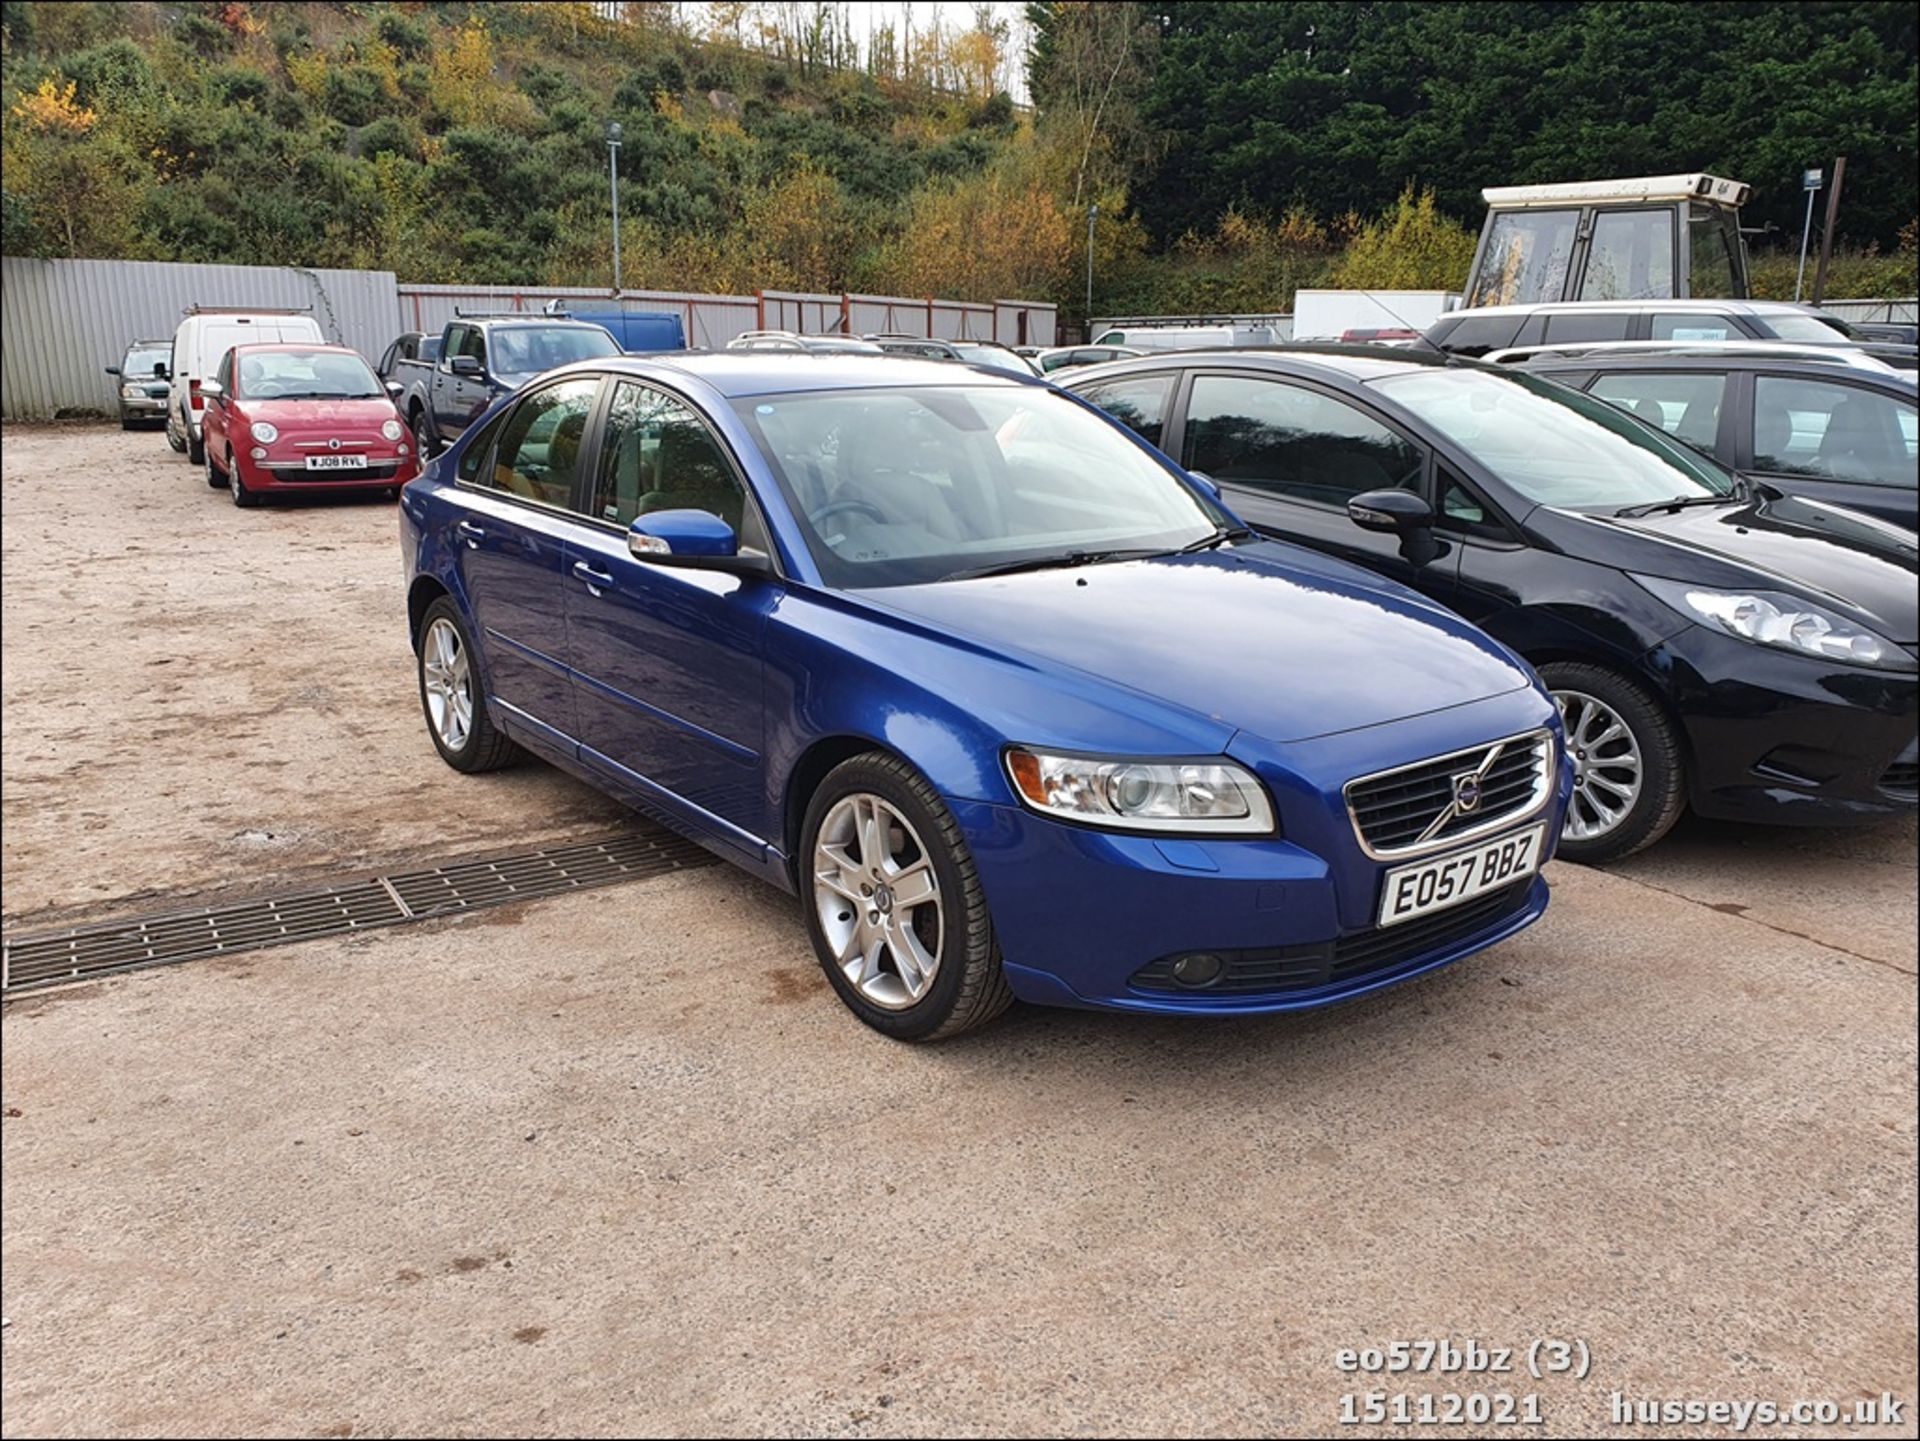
{"x": 1903, "y": 311}
{"x": 66, "y": 320}
{"x": 63, "y": 321}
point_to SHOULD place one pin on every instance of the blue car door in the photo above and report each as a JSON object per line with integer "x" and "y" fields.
{"x": 668, "y": 659}
{"x": 512, "y": 544}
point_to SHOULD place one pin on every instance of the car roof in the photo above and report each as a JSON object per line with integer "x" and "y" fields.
{"x": 303, "y": 346}
{"x": 736, "y": 373}
{"x": 1808, "y": 362}
{"x": 1356, "y": 362}
{"x": 1658, "y": 302}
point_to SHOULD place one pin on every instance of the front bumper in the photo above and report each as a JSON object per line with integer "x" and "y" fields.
{"x": 281, "y": 474}
{"x": 150, "y": 407}
{"x": 1089, "y": 918}
{"x": 1790, "y": 739}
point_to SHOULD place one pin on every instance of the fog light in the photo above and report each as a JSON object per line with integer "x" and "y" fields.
{"x": 1202, "y": 968}
{"x": 403, "y": 450}
{"x": 259, "y": 452}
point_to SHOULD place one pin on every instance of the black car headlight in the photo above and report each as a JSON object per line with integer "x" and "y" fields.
{"x": 1783, "y": 621}
{"x": 1129, "y": 793}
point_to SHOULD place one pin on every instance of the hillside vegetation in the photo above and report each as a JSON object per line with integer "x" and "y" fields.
{"x": 764, "y": 147}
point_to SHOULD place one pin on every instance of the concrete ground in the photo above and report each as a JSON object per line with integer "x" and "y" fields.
{"x": 620, "y": 1163}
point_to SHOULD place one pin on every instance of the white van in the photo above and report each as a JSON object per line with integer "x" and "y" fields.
{"x": 203, "y": 338}
{"x": 1189, "y": 337}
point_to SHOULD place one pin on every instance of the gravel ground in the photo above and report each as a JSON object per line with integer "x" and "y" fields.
{"x": 620, "y": 1163}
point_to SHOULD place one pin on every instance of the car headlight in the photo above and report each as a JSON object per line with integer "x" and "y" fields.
{"x": 393, "y": 430}
{"x": 264, "y": 432}
{"x": 1785, "y": 622}
{"x": 1124, "y": 793}
{"x": 130, "y": 392}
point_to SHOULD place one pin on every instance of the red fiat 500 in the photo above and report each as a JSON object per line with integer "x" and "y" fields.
{"x": 286, "y": 418}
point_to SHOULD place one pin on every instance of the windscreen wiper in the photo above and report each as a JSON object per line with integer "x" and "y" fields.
{"x": 1050, "y": 562}
{"x": 1679, "y": 502}
{"x": 1219, "y": 537}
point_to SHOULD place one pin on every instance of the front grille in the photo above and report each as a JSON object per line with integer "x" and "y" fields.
{"x": 1418, "y": 806}
{"x": 1361, "y": 955}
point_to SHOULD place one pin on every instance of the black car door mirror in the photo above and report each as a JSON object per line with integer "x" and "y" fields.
{"x": 160, "y": 371}
{"x": 113, "y": 370}
{"x": 1401, "y": 513}
{"x": 466, "y": 365}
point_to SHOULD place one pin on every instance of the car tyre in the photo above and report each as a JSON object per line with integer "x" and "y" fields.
{"x": 216, "y": 478}
{"x": 174, "y": 442}
{"x": 876, "y": 960}
{"x": 243, "y": 497}
{"x": 422, "y": 442}
{"x": 1629, "y": 766}
{"x": 196, "y": 450}
{"x": 450, "y": 695}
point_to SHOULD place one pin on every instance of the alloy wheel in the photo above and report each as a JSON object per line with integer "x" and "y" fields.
{"x": 1607, "y": 768}
{"x": 447, "y": 679}
{"x": 878, "y": 900}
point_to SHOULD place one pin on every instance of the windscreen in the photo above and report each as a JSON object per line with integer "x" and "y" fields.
{"x": 904, "y": 486}
{"x": 529, "y": 349}
{"x": 305, "y": 375}
{"x": 1553, "y": 445}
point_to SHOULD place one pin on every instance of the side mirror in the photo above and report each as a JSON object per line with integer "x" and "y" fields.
{"x": 394, "y": 388}
{"x": 1401, "y": 513}
{"x": 691, "y": 538}
{"x": 160, "y": 371}
{"x": 113, "y": 370}
{"x": 212, "y": 389}
{"x": 466, "y": 365}
{"x": 1208, "y": 484}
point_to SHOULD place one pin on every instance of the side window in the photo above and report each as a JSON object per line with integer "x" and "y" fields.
{"x": 475, "y": 455}
{"x": 1293, "y": 442}
{"x": 1461, "y": 510}
{"x": 1841, "y": 432}
{"x": 1587, "y": 326}
{"x": 225, "y": 373}
{"x": 1629, "y": 257}
{"x": 454, "y": 336}
{"x": 474, "y": 343}
{"x": 1677, "y": 325}
{"x": 1139, "y": 402}
{"x": 1686, "y": 406}
{"x": 539, "y": 452}
{"x": 657, "y": 454}
{"x": 388, "y": 356}
{"x": 1476, "y": 335}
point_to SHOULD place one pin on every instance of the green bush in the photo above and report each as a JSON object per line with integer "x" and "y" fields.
{"x": 408, "y": 38}
{"x": 352, "y": 94}
{"x": 389, "y": 135}
{"x": 109, "y": 75}
{"x": 239, "y": 85}
{"x": 207, "y": 38}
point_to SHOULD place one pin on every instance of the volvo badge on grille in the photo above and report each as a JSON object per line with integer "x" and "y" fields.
{"x": 1466, "y": 793}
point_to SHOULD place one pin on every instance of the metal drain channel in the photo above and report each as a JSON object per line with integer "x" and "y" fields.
{"x": 224, "y": 930}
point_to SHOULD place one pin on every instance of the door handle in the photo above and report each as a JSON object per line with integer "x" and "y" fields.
{"x": 596, "y": 580}
{"x": 474, "y": 533}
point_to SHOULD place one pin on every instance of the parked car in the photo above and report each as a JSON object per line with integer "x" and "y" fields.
{"x": 414, "y": 345}
{"x": 1011, "y": 703}
{"x": 1889, "y": 332}
{"x": 994, "y": 356}
{"x": 923, "y": 346}
{"x": 1498, "y": 327}
{"x": 482, "y": 357}
{"x": 1822, "y": 423}
{"x": 1710, "y": 642}
{"x": 295, "y": 419}
{"x": 1066, "y": 357}
{"x": 142, "y": 373}
{"x": 793, "y": 343}
{"x": 199, "y": 342}
{"x": 1391, "y": 335}
{"x": 1189, "y": 337}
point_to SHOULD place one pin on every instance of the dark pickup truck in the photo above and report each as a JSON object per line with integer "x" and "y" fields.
{"x": 482, "y": 357}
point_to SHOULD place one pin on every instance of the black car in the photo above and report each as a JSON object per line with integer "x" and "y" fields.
{"x": 414, "y": 345}
{"x": 1711, "y": 641}
{"x": 142, "y": 374}
{"x": 1839, "y": 429}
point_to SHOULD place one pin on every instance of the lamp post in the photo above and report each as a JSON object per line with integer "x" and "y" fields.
{"x": 1093, "y": 214}
{"x": 613, "y": 187}
{"x": 1810, "y": 181}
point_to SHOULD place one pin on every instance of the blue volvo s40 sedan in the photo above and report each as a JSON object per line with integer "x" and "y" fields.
{"x": 1016, "y": 707}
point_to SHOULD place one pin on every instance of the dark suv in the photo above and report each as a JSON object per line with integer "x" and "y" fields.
{"x": 1839, "y": 428}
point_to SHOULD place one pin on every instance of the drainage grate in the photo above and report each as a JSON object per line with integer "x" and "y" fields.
{"x": 224, "y": 930}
